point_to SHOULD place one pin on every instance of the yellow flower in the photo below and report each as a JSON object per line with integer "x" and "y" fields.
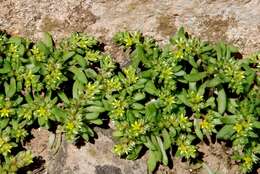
{"x": 238, "y": 128}
{"x": 183, "y": 119}
{"x": 179, "y": 54}
{"x": 183, "y": 148}
{"x": 205, "y": 125}
{"x": 195, "y": 97}
{"x": 118, "y": 113}
{"x": 248, "y": 161}
{"x": 90, "y": 89}
{"x": 5, "y": 112}
{"x": 42, "y": 111}
{"x": 119, "y": 104}
{"x": 119, "y": 149}
{"x": 70, "y": 126}
{"x": 138, "y": 128}
{"x": 1, "y": 141}
{"x": 166, "y": 72}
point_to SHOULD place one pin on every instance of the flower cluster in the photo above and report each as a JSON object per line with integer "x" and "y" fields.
{"x": 43, "y": 85}
{"x": 166, "y": 100}
{"x": 186, "y": 91}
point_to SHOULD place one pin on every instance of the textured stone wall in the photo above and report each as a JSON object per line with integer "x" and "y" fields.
{"x": 234, "y": 21}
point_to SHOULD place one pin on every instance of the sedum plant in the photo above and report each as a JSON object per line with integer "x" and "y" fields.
{"x": 88, "y": 71}
{"x": 173, "y": 97}
{"x": 47, "y": 85}
{"x": 166, "y": 101}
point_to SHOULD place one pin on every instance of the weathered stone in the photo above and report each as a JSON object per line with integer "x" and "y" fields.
{"x": 107, "y": 169}
{"x": 234, "y": 21}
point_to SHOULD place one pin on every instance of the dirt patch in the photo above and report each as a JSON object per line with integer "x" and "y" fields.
{"x": 167, "y": 25}
{"x": 57, "y": 161}
{"x": 136, "y": 4}
{"x": 78, "y": 20}
{"x": 107, "y": 169}
{"x": 39, "y": 143}
{"x": 215, "y": 27}
{"x": 50, "y": 24}
{"x": 39, "y": 147}
{"x": 217, "y": 158}
{"x": 121, "y": 56}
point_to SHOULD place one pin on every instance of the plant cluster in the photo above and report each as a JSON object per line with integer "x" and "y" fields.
{"x": 48, "y": 86}
{"x": 166, "y": 100}
{"x": 188, "y": 91}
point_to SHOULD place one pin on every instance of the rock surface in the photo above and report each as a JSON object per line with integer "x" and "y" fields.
{"x": 234, "y": 21}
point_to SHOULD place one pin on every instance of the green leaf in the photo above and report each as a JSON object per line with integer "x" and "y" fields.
{"x": 79, "y": 74}
{"x": 96, "y": 109}
{"x": 63, "y": 97}
{"x": 201, "y": 90}
{"x": 226, "y": 132}
{"x": 150, "y": 88}
{"x": 192, "y": 62}
{"x": 182, "y": 97}
{"x": 6, "y": 68}
{"x": 16, "y": 40}
{"x": 10, "y": 90}
{"x": 229, "y": 119}
{"x": 92, "y": 116}
{"x": 196, "y": 76}
{"x": 91, "y": 73}
{"x": 222, "y": 101}
{"x": 249, "y": 79}
{"x": 197, "y": 129}
{"x": 68, "y": 55}
{"x": 42, "y": 47}
{"x": 60, "y": 114}
{"x": 134, "y": 153}
{"x": 256, "y": 124}
{"x": 193, "y": 86}
{"x": 137, "y": 106}
{"x": 147, "y": 73}
{"x": 252, "y": 134}
{"x": 42, "y": 122}
{"x": 180, "y": 34}
{"x": 232, "y": 105}
{"x": 150, "y": 111}
{"x": 172, "y": 132}
{"x": 149, "y": 144}
{"x": 218, "y": 50}
{"x": 214, "y": 82}
{"x": 180, "y": 73}
{"x": 97, "y": 122}
{"x": 77, "y": 89}
{"x": 85, "y": 136}
{"x": 138, "y": 56}
{"x": 47, "y": 40}
{"x": 211, "y": 102}
{"x": 3, "y": 123}
{"x": 139, "y": 96}
{"x": 152, "y": 161}
{"x": 206, "y": 48}
{"x": 164, "y": 155}
{"x": 166, "y": 139}
{"x": 117, "y": 134}
{"x": 80, "y": 60}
